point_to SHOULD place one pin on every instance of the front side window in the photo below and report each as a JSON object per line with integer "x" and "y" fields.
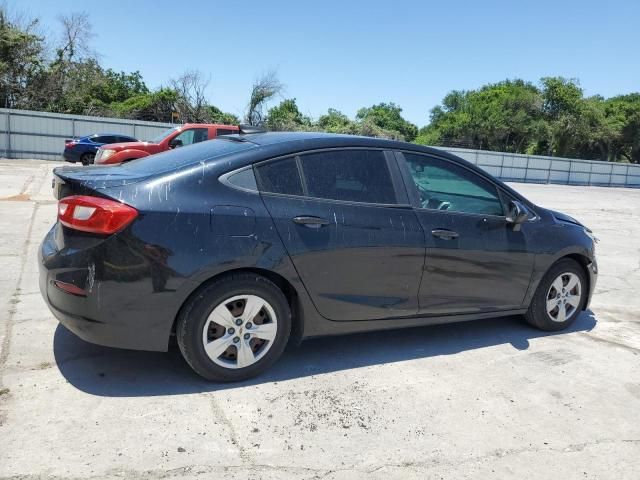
{"x": 193, "y": 135}
{"x": 443, "y": 185}
{"x": 280, "y": 177}
{"x": 348, "y": 175}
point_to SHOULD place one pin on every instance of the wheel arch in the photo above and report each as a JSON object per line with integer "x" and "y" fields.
{"x": 584, "y": 262}
{"x": 289, "y": 291}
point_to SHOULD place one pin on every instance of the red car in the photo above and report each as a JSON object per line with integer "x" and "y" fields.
{"x": 174, "y": 137}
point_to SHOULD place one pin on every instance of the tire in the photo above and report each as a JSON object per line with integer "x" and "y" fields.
{"x": 87, "y": 158}
{"x": 209, "y": 317}
{"x": 555, "y": 306}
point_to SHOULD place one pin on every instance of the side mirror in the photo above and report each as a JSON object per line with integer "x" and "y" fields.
{"x": 517, "y": 215}
{"x": 175, "y": 142}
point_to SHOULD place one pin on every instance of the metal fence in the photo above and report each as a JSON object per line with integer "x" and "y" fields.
{"x": 513, "y": 167}
{"x": 27, "y": 134}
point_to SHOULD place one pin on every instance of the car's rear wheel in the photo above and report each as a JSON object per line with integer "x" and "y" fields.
{"x": 559, "y": 298}
{"x": 87, "y": 158}
{"x": 234, "y": 328}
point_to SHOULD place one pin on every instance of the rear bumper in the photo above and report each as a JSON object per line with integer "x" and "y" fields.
{"x": 123, "y": 313}
{"x": 70, "y": 156}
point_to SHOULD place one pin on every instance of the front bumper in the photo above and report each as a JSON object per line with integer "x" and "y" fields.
{"x": 592, "y": 268}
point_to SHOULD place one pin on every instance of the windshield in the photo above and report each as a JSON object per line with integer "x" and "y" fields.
{"x": 163, "y": 135}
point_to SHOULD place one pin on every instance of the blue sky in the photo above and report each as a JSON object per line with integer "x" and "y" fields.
{"x": 348, "y": 54}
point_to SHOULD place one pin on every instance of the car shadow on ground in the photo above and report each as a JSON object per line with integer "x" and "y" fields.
{"x": 114, "y": 372}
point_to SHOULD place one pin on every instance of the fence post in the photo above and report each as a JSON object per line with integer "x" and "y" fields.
{"x": 549, "y": 171}
{"x": 73, "y": 128}
{"x": 134, "y": 130}
{"x": 9, "y": 150}
{"x": 611, "y": 175}
{"x": 526, "y": 169}
{"x": 590, "y": 172}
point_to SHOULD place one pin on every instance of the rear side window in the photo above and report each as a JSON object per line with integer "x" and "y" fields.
{"x": 224, "y": 131}
{"x": 349, "y": 175}
{"x": 280, "y": 177}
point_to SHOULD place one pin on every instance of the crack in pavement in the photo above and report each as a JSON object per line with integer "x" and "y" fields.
{"x": 6, "y": 343}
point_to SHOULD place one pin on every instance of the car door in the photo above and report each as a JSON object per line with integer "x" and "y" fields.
{"x": 475, "y": 261}
{"x": 344, "y": 218}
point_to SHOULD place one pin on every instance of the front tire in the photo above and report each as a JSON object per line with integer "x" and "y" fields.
{"x": 88, "y": 158}
{"x": 234, "y": 328}
{"x": 560, "y": 297}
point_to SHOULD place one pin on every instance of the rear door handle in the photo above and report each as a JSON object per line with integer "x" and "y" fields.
{"x": 310, "y": 221}
{"x": 444, "y": 233}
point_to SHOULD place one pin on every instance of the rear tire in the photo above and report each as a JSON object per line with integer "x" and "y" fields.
{"x": 87, "y": 158}
{"x": 234, "y": 328}
{"x": 559, "y": 298}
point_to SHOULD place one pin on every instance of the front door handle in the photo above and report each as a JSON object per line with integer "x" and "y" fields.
{"x": 444, "y": 233}
{"x": 310, "y": 221}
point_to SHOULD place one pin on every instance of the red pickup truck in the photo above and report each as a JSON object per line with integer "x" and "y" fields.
{"x": 174, "y": 137}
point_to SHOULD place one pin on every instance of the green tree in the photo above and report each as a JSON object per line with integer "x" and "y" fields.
{"x": 388, "y": 117}
{"x": 154, "y": 106}
{"x": 287, "y": 116}
{"x": 218, "y": 116}
{"x": 21, "y": 59}
{"x": 505, "y": 116}
{"x": 335, "y": 121}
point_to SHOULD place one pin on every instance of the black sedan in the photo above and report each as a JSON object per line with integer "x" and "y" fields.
{"x": 241, "y": 244}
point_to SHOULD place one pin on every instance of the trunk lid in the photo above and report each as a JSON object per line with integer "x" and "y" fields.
{"x": 87, "y": 180}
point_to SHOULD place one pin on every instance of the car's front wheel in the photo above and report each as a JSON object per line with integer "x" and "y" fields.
{"x": 234, "y": 328}
{"x": 88, "y": 158}
{"x": 559, "y": 298}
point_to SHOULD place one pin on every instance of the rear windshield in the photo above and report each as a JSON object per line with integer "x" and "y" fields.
{"x": 184, "y": 156}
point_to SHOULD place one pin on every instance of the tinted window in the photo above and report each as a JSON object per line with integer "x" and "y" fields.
{"x": 224, "y": 131}
{"x": 243, "y": 179}
{"x": 125, "y": 139}
{"x": 280, "y": 177}
{"x": 350, "y": 175}
{"x": 446, "y": 186}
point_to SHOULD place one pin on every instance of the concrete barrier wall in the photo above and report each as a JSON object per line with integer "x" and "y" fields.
{"x": 513, "y": 167}
{"x": 27, "y": 134}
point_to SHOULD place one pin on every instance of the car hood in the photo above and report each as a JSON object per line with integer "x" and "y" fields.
{"x": 563, "y": 217}
{"x": 127, "y": 145}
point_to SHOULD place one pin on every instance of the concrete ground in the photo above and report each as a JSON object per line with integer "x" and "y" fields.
{"x": 486, "y": 399}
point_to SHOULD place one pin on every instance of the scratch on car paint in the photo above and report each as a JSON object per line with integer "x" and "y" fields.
{"x": 91, "y": 276}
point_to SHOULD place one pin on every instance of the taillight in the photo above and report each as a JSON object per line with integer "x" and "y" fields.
{"x": 94, "y": 214}
{"x": 70, "y": 144}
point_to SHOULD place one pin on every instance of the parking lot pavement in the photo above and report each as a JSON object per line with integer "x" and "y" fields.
{"x": 485, "y": 399}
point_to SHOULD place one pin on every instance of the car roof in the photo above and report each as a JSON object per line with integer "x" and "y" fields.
{"x": 217, "y": 125}
{"x": 312, "y": 140}
{"x": 107, "y": 134}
